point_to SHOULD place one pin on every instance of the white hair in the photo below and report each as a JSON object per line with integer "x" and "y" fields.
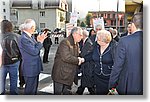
{"x": 27, "y": 24}
{"x": 85, "y": 32}
{"x": 104, "y": 35}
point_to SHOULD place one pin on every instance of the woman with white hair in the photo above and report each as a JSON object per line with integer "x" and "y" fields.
{"x": 103, "y": 60}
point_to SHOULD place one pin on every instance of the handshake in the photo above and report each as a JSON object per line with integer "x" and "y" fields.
{"x": 81, "y": 60}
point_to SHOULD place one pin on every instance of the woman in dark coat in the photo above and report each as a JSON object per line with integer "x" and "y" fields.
{"x": 103, "y": 60}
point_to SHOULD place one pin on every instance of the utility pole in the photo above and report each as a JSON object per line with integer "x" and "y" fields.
{"x": 99, "y": 10}
{"x": 117, "y": 15}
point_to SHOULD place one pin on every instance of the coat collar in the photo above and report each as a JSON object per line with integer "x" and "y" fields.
{"x": 71, "y": 39}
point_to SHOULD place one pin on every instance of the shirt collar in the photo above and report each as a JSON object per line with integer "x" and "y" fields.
{"x": 27, "y": 33}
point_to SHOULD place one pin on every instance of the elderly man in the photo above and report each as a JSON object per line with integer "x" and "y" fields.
{"x": 30, "y": 51}
{"x": 66, "y": 61}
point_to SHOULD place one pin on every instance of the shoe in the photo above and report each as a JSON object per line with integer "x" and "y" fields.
{"x": 21, "y": 86}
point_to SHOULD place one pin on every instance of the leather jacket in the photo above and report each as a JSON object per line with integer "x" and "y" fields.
{"x": 11, "y": 53}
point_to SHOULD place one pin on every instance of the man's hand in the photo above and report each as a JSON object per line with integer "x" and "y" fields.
{"x": 81, "y": 60}
{"x": 42, "y": 37}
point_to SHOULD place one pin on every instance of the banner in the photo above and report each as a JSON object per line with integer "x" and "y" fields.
{"x": 74, "y": 18}
{"x": 69, "y": 27}
{"x": 98, "y": 21}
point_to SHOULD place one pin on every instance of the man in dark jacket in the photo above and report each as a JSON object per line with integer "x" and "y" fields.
{"x": 66, "y": 62}
{"x": 46, "y": 44}
{"x": 127, "y": 73}
{"x": 87, "y": 79}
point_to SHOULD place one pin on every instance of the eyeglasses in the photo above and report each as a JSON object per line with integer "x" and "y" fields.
{"x": 98, "y": 29}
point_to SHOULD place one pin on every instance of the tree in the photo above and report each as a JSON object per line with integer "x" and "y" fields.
{"x": 83, "y": 24}
{"x": 78, "y": 22}
{"x": 88, "y": 18}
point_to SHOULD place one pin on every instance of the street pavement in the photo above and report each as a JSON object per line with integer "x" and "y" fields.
{"x": 45, "y": 81}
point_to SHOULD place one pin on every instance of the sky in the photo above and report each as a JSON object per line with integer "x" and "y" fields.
{"x": 83, "y": 6}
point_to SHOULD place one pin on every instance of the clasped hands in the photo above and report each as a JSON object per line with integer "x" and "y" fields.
{"x": 81, "y": 60}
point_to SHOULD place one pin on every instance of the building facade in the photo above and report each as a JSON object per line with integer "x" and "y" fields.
{"x": 4, "y": 9}
{"x": 110, "y": 19}
{"x": 49, "y": 14}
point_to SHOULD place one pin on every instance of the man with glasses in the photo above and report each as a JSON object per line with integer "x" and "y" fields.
{"x": 66, "y": 62}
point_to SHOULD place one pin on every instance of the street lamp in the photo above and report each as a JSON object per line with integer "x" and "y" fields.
{"x": 117, "y": 14}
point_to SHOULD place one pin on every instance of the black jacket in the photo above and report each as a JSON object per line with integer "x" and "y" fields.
{"x": 11, "y": 52}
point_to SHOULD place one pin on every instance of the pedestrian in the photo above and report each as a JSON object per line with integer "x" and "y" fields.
{"x": 31, "y": 61}
{"x": 127, "y": 72}
{"x": 129, "y": 29}
{"x": 103, "y": 62}
{"x": 66, "y": 62}
{"x": 46, "y": 44}
{"x": 11, "y": 56}
{"x": 115, "y": 35}
{"x": 87, "y": 78}
{"x": 93, "y": 37}
{"x": 92, "y": 32}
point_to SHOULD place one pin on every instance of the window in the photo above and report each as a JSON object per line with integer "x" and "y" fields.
{"x": 3, "y": 3}
{"x": 66, "y": 7}
{"x": 4, "y": 10}
{"x": 112, "y": 22}
{"x": 42, "y": 13}
{"x": 121, "y": 22}
{"x": 108, "y": 16}
{"x": 113, "y": 15}
{"x": 42, "y": 25}
{"x": 5, "y": 17}
{"x": 102, "y": 15}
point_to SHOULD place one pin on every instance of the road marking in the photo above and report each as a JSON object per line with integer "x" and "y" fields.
{"x": 48, "y": 89}
{"x": 43, "y": 76}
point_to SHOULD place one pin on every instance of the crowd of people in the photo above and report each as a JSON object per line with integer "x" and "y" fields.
{"x": 108, "y": 61}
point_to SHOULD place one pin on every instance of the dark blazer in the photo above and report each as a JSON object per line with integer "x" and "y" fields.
{"x": 127, "y": 73}
{"x": 66, "y": 61}
{"x": 30, "y": 51}
{"x": 124, "y": 34}
{"x": 87, "y": 67}
{"x": 47, "y": 43}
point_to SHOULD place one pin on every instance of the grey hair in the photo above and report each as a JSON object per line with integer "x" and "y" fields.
{"x": 98, "y": 26}
{"x": 27, "y": 24}
{"x": 137, "y": 19}
{"x": 85, "y": 32}
{"x": 75, "y": 29}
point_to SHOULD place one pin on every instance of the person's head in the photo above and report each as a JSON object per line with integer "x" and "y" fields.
{"x": 103, "y": 37}
{"x": 137, "y": 19}
{"x": 28, "y": 25}
{"x": 114, "y": 33}
{"x": 92, "y": 32}
{"x": 111, "y": 30}
{"x": 85, "y": 34}
{"x": 129, "y": 28}
{"x": 77, "y": 34}
{"x": 98, "y": 27}
{"x": 6, "y": 26}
